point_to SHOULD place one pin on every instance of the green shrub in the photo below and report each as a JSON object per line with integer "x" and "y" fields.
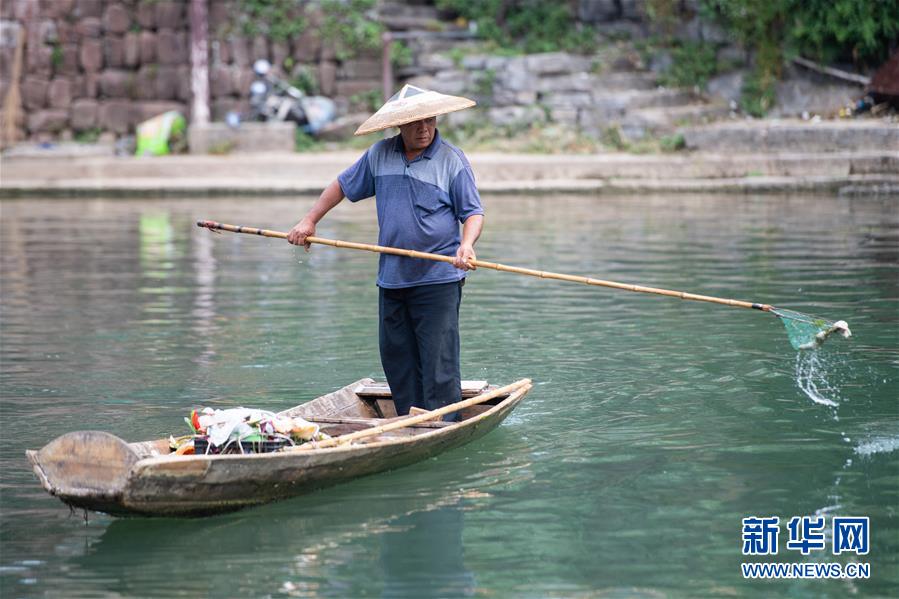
{"x": 860, "y": 31}
{"x": 672, "y": 143}
{"x": 760, "y": 25}
{"x": 303, "y": 142}
{"x": 539, "y": 138}
{"x": 88, "y": 136}
{"x": 400, "y": 54}
{"x": 304, "y": 79}
{"x": 612, "y": 138}
{"x": 222, "y": 148}
{"x": 484, "y": 86}
{"x": 371, "y": 99}
{"x": 693, "y": 64}
{"x": 351, "y": 25}
{"x": 757, "y": 95}
{"x": 856, "y": 30}
{"x": 56, "y": 56}
{"x": 279, "y": 20}
{"x": 525, "y": 25}
{"x": 457, "y": 55}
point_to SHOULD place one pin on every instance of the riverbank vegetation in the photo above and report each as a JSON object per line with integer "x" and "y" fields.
{"x": 859, "y": 34}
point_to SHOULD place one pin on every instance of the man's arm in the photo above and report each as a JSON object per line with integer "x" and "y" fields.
{"x": 330, "y": 197}
{"x": 471, "y": 230}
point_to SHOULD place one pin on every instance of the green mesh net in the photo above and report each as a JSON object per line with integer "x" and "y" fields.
{"x": 808, "y": 332}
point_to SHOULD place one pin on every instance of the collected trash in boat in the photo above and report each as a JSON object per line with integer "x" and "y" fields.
{"x": 243, "y": 430}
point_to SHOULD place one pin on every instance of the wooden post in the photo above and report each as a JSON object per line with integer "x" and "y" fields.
{"x": 387, "y": 65}
{"x": 199, "y": 62}
{"x": 12, "y": 103}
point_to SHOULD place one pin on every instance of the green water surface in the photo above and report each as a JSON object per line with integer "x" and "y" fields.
{"x": 655, "y": 425}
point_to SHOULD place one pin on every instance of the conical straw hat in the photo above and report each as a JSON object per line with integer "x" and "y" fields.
{"x": 412, "y": 104}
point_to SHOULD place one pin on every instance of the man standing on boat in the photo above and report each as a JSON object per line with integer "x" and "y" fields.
{"x": 424, "y": 189}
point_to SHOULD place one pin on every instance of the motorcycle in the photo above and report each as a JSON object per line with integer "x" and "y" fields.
{"x": 273, "y": 99}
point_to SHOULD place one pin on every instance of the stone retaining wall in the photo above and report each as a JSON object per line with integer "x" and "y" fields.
{"x": 94, "y": 66}
{"x": 106, "y": 65}
{"x": 587, "y": 93}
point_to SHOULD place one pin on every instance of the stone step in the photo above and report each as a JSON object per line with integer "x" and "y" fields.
{"x": 642, "y": 122}
{"x": 680, "y": 165}
{"x": 612, "y": 101}
{"x": 405, "y": 17}
{"x": 866, "y": 186}
{"x": 876, "y": 164}
{"x": 632, "y": 100}
{"x": 639, "y": 112}
{"x": 407, "y": 9}
{"x": 797, "y": 136}
{"x": 625, "y": 81}
{"x": 668, "y": 118}
{"x": 403, "y": 9}
{"x": 436, "y": 44}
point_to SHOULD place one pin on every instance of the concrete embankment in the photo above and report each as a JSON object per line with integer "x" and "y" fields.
{"x": 832, "y": 158}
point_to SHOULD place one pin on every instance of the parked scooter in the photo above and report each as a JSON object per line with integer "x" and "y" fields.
{"x": 273, "y": 99}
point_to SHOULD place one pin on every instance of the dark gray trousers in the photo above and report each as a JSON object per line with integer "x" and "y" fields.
{"x": 419, "y": 341}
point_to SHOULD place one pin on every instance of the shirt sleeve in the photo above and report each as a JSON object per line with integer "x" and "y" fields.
{"x": 464, "y": 194}
{"x": 358, "y": 182}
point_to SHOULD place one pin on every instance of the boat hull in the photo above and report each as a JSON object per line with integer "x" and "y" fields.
{"x": 170, "y": 485}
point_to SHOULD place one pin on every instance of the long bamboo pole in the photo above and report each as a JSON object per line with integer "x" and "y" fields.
{"x": 522, "y": 385}
{"x": 542, "y": 274}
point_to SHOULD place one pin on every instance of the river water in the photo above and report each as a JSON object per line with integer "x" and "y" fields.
{"x": 655, "y": 425}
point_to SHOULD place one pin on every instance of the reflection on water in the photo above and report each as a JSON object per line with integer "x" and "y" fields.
{"x": 422, "y": 556}
{"x": 654, "y": 426}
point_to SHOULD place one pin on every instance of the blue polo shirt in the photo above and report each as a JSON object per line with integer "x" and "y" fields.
{"x": 420, "y": 205}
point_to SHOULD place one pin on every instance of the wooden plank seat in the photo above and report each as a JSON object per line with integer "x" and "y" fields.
{"x": 378, "y": 396}
{"x": 382, "y": 390}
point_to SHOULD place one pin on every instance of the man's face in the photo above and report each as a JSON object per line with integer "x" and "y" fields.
{"x": 418, "y": 135}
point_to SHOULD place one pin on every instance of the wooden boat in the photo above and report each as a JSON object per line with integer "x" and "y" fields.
{"x": 99, "y": 471}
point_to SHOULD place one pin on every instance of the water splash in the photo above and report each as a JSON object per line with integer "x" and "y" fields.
{"x": 877, "y": 445}
{"x": 811, "y": 372}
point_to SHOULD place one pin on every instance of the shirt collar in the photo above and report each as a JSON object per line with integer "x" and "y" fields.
{"x": 429, "y": 151}
{"x": 435, "y": 144}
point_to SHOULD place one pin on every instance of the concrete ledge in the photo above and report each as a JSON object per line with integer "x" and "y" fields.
{"x": 794, "y": 136}
{"x": 325, "y": 166}
{"x": 295, "y": 174}
{"x": 856, "y": 184}
{"x": 62, "y": 150}
{"x": 219, "y": 138}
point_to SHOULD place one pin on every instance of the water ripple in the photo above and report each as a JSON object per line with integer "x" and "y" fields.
{"x": 653, "y": 427}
